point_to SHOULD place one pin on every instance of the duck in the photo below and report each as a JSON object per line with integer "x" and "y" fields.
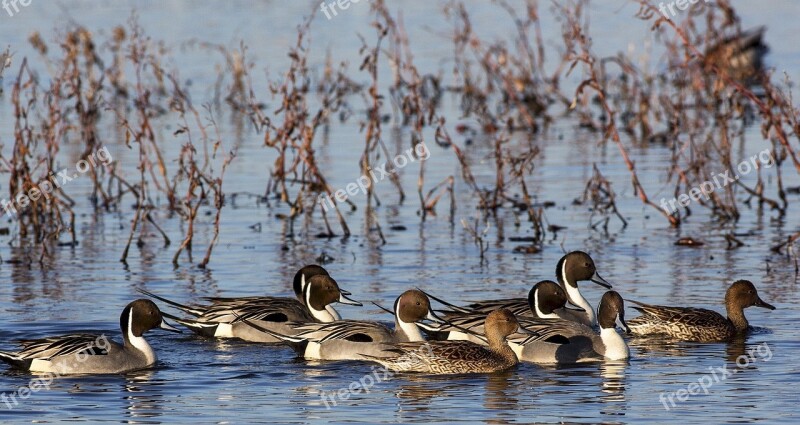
{"x": 222, "y": 318}
{"x": 559, "y": 341}
{"x": 456, "y": 357}
{"x": 582, "y": 343}
{"x": 740, "y": 56}
{"x": 301, "y": 278}
{"x": 299, "y": 283}
{"x": 699, "y": 324}
{"x": 546, "y": 304}
{"x": 353, "y": 339}
{"x": 572, "y": 268}
{"x": 94, "y": 354}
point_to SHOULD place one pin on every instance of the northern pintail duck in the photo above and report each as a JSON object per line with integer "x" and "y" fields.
{"x": 299, "y": 283}
{"x": 546, "y": 301}
{"x": 740, "y": 56}
{"x": 558, "y": 341}
{"x": 355, "y": 339}
{"x": 94, "y": 354}
{"x": 699, "y": 324}
{"x": 222, "y": 318}
{"x": 572, "y": 268}
{"x": 301, "y": 279}
{"x": 456, "y": 357}
{"x": 582, "y": 343}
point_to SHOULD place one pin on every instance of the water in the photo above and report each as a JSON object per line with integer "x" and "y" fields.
{"x": 85, "y": 287}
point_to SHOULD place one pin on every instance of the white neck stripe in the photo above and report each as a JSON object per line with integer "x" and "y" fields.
{"x": 138, "y": 342}
{"x": 326, "y": 315}
{"x": 539, "y": 312}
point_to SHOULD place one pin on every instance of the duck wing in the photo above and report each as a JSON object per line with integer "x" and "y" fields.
{"x": 349, "y": 330}
{"x": 518, "y": 306}
{"x": 269, "y": 309}
{"x": 689, "y": 316}
{"x": 48, "y": 348}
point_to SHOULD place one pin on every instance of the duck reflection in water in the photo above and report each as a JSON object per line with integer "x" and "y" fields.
{"x": 143, "y": 397}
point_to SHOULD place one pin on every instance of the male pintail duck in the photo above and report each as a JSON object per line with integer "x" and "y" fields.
{"x": 572, "y": 268}
{"x": 699, "y": 324}
{"x": 299, "y": 283}
{"x": 558, "y": 341}
{"x": 546, "y": 301}
{"x": 582, "y": 344}
{"x": 455, "y": 357}
{"x": 222, "y": 319}
{"x": 94, "y": 354}
{"x": 354, "y": 339}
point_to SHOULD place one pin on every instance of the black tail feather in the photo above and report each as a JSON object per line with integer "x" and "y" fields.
{"x": 185, "y": 308}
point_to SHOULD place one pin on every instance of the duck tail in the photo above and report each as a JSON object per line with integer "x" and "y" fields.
{"x": 208, "y": 329}
{"x": 639, "y": 303}
{"x": 446, "y": 304}
{"x": 7, "y": 357}
{"x": 645, "y": 309}
{"x": 372, "y": 358}
{"x": 14, "y": 360}
{"x": 185, "y": 308}
{"x": 384, "y": 361}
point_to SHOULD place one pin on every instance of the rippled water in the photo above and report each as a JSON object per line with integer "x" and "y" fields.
{"x": 85, "y": 287}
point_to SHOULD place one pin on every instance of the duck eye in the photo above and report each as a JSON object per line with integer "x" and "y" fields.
{"x": 418, "y": 303}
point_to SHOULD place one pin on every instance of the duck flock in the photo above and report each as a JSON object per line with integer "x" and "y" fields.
{"x": 481, "y": 337}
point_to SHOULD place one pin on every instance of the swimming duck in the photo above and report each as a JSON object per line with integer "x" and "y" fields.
{"x": 572, "y": 268}
{"x": 353, "y": 339}
{"x": 302, "y": 277}
{"x": 559, "y": 341}
{"x": 582, "y": 343}
{"x": 455, "y": 357}
{"x": 299, "y": 283}
{"x": 740, "y": 56}
{"x": 94, "y": 354}
{"x": 699, "y": 324}
{"x": 222, "y": 319}
{"x": 546, "y": 302}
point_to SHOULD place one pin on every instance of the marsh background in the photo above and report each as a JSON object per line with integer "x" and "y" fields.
{"x": 84, "y": 287}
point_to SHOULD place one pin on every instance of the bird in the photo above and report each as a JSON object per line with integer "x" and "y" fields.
{"x": 456, "y": 357}
{"x": 740, "y": 56}
{"x": 546, "y": 303}
{"x": 572, "y": 268}
{"x": 699, "y": 324}
{"x": 94, "y": 354}
{"x": 582, "y": 343}
{"x": 352, "y": 339}
{"x": 222, "y": 318}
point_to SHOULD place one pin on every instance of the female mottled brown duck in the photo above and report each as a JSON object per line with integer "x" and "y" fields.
{"x": 456, "y": 357}
{"x": 699, "y": 324}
